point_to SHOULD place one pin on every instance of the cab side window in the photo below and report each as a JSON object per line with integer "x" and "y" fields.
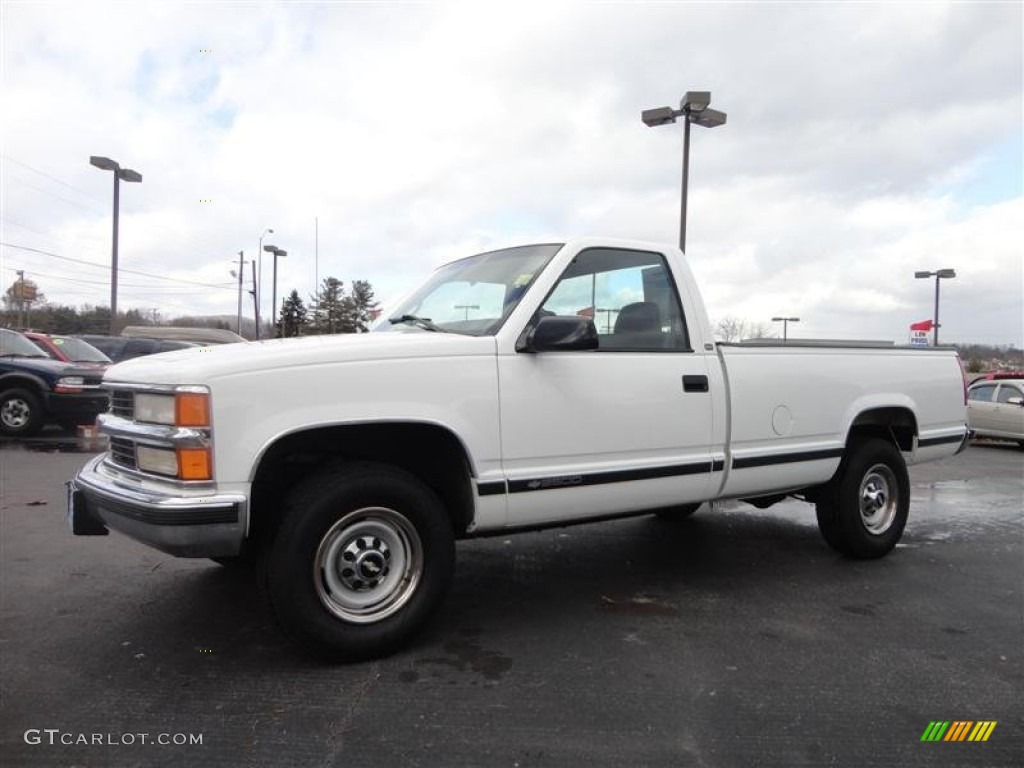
{"x": 630, "y": 297}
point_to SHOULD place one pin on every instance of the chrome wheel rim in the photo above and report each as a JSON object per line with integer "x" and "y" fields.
{"x": 879, "y": 499}
{"x": 15, "y": 413}
{"x": 368, "y": 565}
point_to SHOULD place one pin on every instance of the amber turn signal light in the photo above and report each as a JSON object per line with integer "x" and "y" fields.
{"x": 194, "y": 464}
{"x": 192, "y": 409}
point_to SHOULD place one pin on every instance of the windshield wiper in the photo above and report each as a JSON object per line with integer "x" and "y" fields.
{"x": 421, "y": 322}
{"x": 22, "y": 354}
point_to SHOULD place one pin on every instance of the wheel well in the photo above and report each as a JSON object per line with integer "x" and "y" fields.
{"x": 20, "y": 382}
{"x": 429, "y": 452}
{"x": 897, "y": 425}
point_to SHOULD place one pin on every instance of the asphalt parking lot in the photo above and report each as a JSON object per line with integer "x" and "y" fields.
{"x": 736, "y": 638}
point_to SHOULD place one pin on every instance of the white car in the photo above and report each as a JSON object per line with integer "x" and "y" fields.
{"x": 995, "y": 408}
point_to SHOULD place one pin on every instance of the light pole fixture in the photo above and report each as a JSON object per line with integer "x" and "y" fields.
{"x": 277, "y": 252}
{"x": 693, "y": 108}
{"x": 120, "y": 174}
{"x": 938, "y": 274}
{"x": 259, "y": 280}
{"x": 467, "y": 307}
{"x": 785, "y": 325}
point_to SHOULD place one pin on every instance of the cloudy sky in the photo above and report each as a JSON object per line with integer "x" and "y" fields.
{"x": 864, "y": 141}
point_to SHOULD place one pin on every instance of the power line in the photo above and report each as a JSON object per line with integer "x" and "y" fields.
{"x": 59, "y": 197}
{"x": 104, "y": 266}
{"x": 169, "y": 291}
{"x": 10, "y": 159}
{"x": 190, "y": 240}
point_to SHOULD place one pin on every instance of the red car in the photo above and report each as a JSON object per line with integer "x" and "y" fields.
{"x": 68, "y": 349}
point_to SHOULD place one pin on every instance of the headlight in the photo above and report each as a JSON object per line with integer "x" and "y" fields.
{"x": 154, "y": 409}
{"x": 69, "y": 384}
{"x": 183, "y": 409}
{"x": 158, "y": 460}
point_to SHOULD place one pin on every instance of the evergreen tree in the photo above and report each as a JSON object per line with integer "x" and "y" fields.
{"x": 294, "y": 317}
{"x": 362, "y": 304}
{"x": 329, "y": 307}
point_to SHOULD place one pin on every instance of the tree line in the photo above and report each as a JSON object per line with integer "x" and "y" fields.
{"x": 331, "y": 310}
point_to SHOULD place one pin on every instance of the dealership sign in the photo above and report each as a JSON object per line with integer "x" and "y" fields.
{"x": 919, "y": 333}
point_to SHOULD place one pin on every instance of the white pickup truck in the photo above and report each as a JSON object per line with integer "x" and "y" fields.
{"x": 516, "y": 389}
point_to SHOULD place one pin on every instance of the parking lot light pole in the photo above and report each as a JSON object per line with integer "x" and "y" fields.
{"x": 693, "y": 108}
{"x": 277, "y": 252}
{"x": 938, "y": 274}
{"x": 120, "y": 174}
{"x": 258, "y": 269}
{"x": 785, "y": 325}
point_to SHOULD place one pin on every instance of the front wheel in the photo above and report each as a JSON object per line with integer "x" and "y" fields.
{"x": 364, "y": 555}
{"x": 863, "y": 510}
{"x": 21, "y": 413}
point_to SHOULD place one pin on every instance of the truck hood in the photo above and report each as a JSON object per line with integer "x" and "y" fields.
{"x": 202, "y": 365}
{"x": 47, "y": 366}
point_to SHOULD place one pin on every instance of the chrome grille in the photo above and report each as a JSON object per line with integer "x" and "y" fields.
{"x": 122, "y": 403}
{"x": 122, "y": 452}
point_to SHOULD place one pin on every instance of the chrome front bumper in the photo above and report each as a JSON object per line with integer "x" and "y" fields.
{"x": 177, "y": 522}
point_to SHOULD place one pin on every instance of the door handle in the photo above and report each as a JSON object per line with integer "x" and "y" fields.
{"x": 695, "y": 383}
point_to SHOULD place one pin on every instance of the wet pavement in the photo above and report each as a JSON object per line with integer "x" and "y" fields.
{"x": 734, "y": 638}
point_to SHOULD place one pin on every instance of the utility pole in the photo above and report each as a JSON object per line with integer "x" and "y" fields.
{"x": 241, "y": 270}
{"x": 21, "y": 299}
{"x": 255, "y": 298}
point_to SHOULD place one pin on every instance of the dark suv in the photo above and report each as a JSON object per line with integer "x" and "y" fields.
{"x": 35, "y": 389}
{"x": 119, "y": 348}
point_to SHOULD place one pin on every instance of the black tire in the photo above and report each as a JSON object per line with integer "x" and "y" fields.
{"x": 364, "y": 555}
{"x": 863, "y": 510}
{"x": 675, "y": 514}
{"x": 21, "y": 413}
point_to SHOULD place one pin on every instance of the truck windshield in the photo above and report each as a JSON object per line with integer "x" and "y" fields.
{"x": 472, "y": 296}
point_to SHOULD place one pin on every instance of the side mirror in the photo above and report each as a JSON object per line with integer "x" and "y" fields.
{"x": 1015, "y": 401}
{"x": 559, "y": 334}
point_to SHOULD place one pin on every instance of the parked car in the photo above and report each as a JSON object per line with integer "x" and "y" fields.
{"x": 120, "y": 348}
{"x": 35, "y": 389}
{"x": 995, "y": 408}
{"x": 68, "y": 349}
{"x": 183, "y": 333}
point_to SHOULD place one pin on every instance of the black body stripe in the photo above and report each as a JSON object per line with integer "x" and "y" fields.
{"x": 490, "y": 489}
{"x": 604, "y": 478}
{"x": 786, "y": 458}
{"x": 929, "y": 441}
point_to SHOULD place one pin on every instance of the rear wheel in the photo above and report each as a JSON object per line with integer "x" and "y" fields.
{"x": 863, "y": 510}
{"x": 364, "y": 555}
{"x": 21, "y": 413}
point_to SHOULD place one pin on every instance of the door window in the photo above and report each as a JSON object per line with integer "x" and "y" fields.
{"x": 1006, "y": 391}
{"x": 982, "y": 393}
{"x": 628, "y": 294}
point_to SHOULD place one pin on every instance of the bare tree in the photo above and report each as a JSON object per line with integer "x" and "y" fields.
{"x": 731, "y": 328}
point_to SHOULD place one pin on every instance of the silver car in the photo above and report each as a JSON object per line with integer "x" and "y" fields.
{"x": 995, "y": 408}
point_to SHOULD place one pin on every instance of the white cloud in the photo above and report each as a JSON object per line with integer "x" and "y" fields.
{"x": 857, "y": 141}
